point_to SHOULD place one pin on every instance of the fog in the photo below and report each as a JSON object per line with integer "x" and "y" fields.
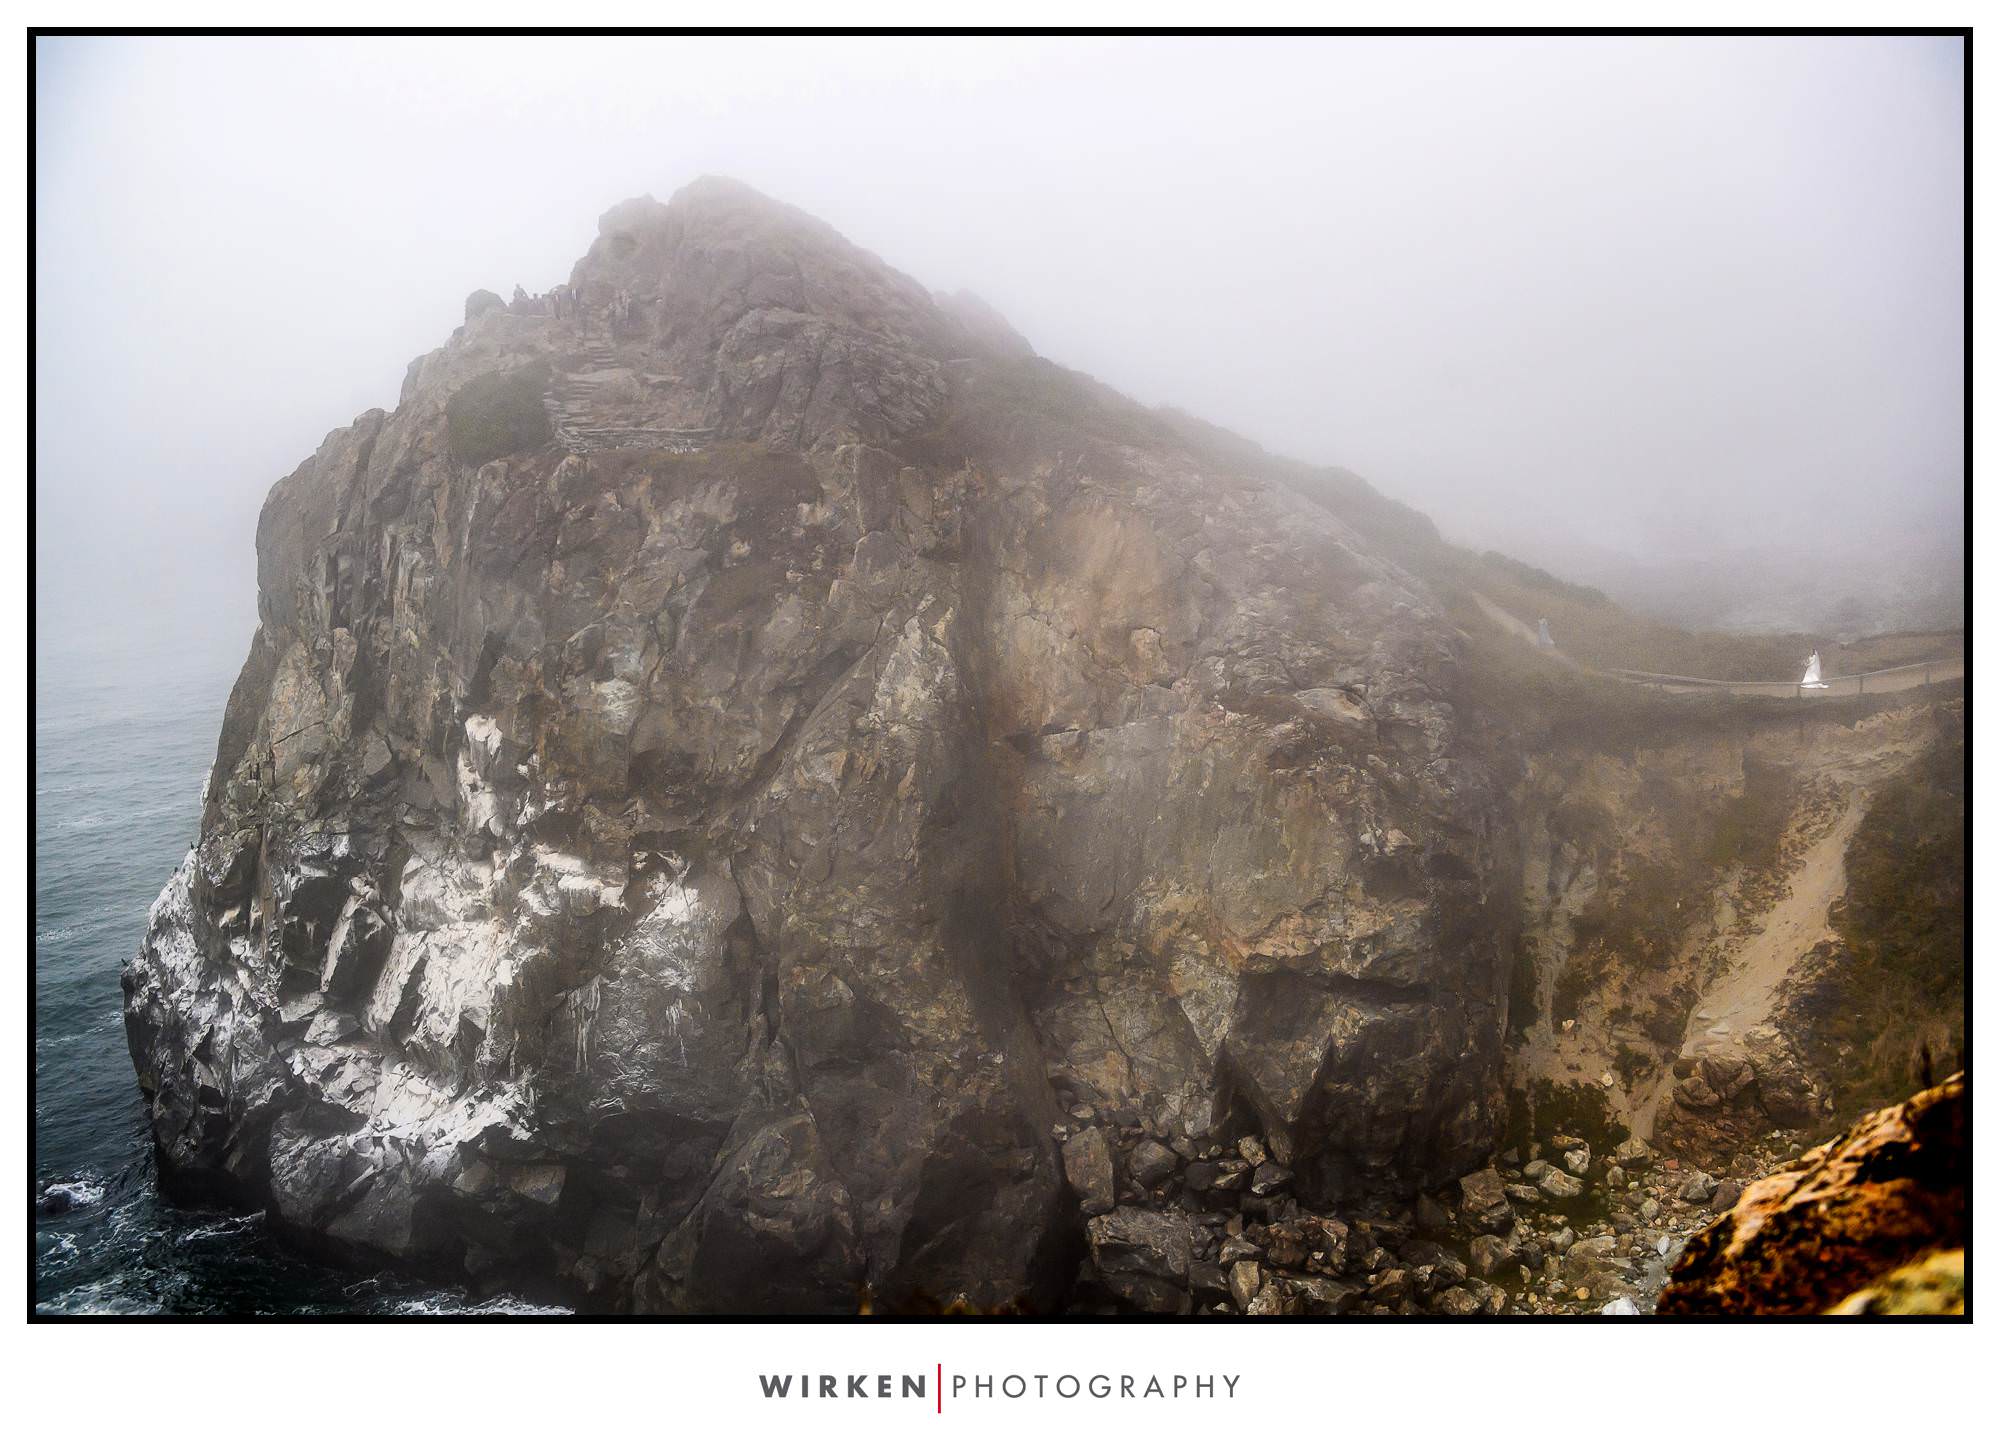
{"x": 1578, "y": 299}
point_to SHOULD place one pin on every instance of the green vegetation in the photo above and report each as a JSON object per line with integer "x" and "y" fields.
{"x": 1023, "y": 409}
{"x": 498, "y": 414}
{"x": 1590, "y": 628}
{"x": 1750, "y": 825}
{"x": 1901, "y": 989}
{"x": 1543, "y": 703}
{"x": 1400, "y": 530}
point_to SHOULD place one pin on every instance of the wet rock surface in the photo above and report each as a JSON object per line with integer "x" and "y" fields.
{"x": 751, "y": 791}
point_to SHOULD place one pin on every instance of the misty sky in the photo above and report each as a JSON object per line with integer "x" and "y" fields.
{"x": 1660, "y": 296}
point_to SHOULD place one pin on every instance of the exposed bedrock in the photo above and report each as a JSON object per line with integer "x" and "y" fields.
{"x": 717, "y": 875}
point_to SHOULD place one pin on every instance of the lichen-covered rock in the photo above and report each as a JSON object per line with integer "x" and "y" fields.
{"x": 688, "y": 855}
{"x": 1803, "y": 1239}
{"x": 1934, "y": 1285}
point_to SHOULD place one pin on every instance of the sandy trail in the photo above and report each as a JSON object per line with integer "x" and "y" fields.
{"x": 1741, "y": 998}
{"x": 1515, "y": 628}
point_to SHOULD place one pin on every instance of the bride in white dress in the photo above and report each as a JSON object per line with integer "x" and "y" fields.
{"x": 1811, "y": 679}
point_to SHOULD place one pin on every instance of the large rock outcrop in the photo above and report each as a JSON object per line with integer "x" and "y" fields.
{"x": 1851, "y": 1216}
{"x": 745, "y": 759}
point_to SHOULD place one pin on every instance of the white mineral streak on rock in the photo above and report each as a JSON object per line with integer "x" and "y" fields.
{"x": 479, "y": 806}
{"x": 483, "y": 735}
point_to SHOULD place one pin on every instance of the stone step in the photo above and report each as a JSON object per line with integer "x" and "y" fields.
{"x": 588, "y": 439}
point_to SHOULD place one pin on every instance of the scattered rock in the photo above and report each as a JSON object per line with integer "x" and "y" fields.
{"x": 1457, "y": 1301}
{"x": 1269, "y": 1178}
{"x": 1558, "y": 1185}
{"x": 1236, "y": 1248}
{"x": 1390, "y": 1286}
{"x": 1483, "y": 1202}
{"x": 1274, "y": 1299}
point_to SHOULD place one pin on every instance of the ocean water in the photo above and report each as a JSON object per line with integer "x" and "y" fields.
{"x": 126, "y": 717}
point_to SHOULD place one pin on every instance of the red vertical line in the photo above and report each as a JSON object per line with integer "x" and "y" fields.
{"x": 940, "y": 1409}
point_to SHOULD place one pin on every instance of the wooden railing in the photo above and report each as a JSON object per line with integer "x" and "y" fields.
{"x": 1952, "y": 666}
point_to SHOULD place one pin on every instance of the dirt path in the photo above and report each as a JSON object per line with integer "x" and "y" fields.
{"x": 1887, "y": 680}
{"x": 1740, "y": 998}
{"x": 1515, "y": 628}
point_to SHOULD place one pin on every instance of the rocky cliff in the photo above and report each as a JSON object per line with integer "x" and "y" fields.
{"x": 753, "y": 791}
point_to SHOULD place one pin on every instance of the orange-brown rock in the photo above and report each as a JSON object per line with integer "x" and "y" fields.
{"x": 1803, "y": 1239}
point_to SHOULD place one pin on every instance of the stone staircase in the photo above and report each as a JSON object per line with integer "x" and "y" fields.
{"x": 577, "y": 408}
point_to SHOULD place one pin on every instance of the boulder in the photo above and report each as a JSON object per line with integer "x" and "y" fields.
{"x": 1087, "y": 1166}
{"x": 1246, "y": 1278}
{"x": 1143, "y": 1257}
{"x": 1457, "y": 1301}
{"x": 1559, "y": 1186}
{"x": 1483, "y": 1203}
{"x": 1634, "y": 1154}
{"x": 1490, "y": 1256}
{"x": 1802, "y": 1240}
{"x": 1152, "y": 1162}
{"x": 1269, "y": 1178}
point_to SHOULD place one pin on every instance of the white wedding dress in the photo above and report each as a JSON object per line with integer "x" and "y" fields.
{"x": 1811, "y": 679}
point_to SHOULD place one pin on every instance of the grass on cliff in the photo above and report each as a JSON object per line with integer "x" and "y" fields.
{"x": 1014, "y": 411}
{"x": 1901, "y": 989}
{"x": 1597, "y": 632}
{"x": 498, "y": 414}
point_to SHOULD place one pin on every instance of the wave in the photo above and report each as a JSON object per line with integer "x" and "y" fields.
{"x": 224, "y": 1229}
{"x": 450, "y": 1303}
{"x": 63, "y": 1196}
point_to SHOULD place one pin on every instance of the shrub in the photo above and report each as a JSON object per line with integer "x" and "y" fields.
{"x": 498, "y": 414}
{"x": 1900, "y": 990}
